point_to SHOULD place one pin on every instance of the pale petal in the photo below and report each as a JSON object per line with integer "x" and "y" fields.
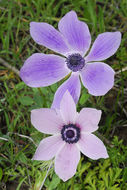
{"x": 104, "y": 46}
{"x": 68, "y": 108}
{"x": 72, "y": 85}
{"x": 88, "y": 119}
{"x": 76, "y": 32}
{"x": 46, "y": 120}
{"x": 92, "y": 147}
{"x": 98, "y": 78}
{"x": 46, "y": 35}
{"x": 66, "y": 161}
{"x": 43, "y": 70}
{"x": 48, "y": 148}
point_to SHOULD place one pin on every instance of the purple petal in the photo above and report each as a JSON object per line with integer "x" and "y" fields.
{"x": 104, "y": 46}
{"x": 46, "y": 35}
{"x": 66, "y": 161}
{"x": 92, "y": 147}
{"x": 76, "y": 32}
{"x": 72, "y": 85}
{"x": 68, "y": 108}
{"x": 46, "y": 120}
{"x": 43, "y": 70}
{"x": 98, "y": 78}
{"x": 88, "y": 119}
{"x": 48, "y": 148}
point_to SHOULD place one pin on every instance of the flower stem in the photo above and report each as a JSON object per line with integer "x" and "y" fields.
{"x": 46, "y": 175}
{"x": 72, "y": 183}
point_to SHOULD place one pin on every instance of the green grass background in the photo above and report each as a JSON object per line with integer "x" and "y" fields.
{"x": 18, "y": 138}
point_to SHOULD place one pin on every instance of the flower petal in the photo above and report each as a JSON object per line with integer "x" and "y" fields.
{"x": 104, "y": 46}
{"x": 76, "y": 32}
{"x": 42, "y": 70}
{"x": 98, "y": 78}
{"x": 48, "y": 148}
{"x": 46, "y": 35}
{"x": 46, "y": 120}
{"x": 68, "y": 108}
{"x": 66, "y": 161}
{"x": 88, "y": 119}
{"x": 72, "y": 85}
{"x": 92, "y": 147}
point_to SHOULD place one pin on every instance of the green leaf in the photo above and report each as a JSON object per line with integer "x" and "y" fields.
{"x": 84, "y": 98}
{"x": 22, "y": 157}
{"x": 26, "y": 100}
{"x": 92, "y": 12}
{"x": 20, "y": 86}
{"x": 55, "y": 181}
{"x": 1, "y": 173}
{"x": 21, "y": 182}
{"x": 38, "y": 100}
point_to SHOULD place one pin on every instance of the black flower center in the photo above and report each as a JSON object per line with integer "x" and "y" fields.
{"x": 75, "y": 62}
{"x": 70, "y": 133}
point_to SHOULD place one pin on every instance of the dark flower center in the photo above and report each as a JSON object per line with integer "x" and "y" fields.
{"x": 70, "y": 133}
{"x": 75, "y": 62}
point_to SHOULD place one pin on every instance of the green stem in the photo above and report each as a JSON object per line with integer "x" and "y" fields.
{"x": 72, "y": 183}
{"x": 43, "y": 96}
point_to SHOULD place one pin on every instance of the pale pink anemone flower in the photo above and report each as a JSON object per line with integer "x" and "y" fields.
{"x": 72, "y": 133}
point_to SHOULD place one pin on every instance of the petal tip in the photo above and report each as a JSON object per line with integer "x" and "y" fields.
{"x": 32, "y": 23}
{"x": 105, "y": 156}
{"x": 67, "y": 97}
{"x": 119, "y": 36}
{"x": 66, "y": 94}
{"x": 22, "y": 74}
{"x": 71, "y": 12}
{"x": 34, "y": 157}
{"x": 100, "y": 112}
{"x": 32, "y": 26}
{"x": 64, "y": 177}
{"x": 101, "y": 157}
{"x": 119, "y": 33}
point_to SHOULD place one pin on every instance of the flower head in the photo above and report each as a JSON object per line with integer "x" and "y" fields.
{"x": 72, "y": 41}
{"x": 71, "y": 133}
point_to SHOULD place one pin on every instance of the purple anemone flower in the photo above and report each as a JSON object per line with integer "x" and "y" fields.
{"x": 71, "y": 133}
{"x": 72, "y": 41}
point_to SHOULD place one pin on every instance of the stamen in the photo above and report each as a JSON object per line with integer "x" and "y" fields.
{"x": 70, "y": 133}
{"x": 75, "y": 62}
